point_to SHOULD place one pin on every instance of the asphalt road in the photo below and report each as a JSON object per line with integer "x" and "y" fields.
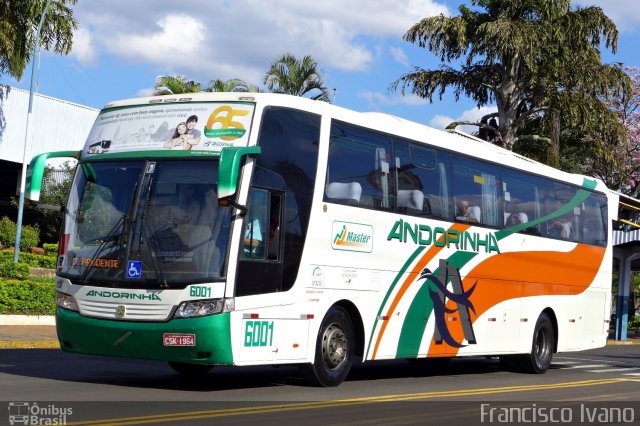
{"x": 593, "y": 387}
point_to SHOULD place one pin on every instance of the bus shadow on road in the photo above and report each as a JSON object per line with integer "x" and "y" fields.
{"x": 55, "y": 365}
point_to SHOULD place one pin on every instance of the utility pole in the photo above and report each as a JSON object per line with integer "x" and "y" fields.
{"x": 27, "y": 133}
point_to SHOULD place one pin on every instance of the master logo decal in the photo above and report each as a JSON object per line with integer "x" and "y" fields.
{"x": 352, "y": 237}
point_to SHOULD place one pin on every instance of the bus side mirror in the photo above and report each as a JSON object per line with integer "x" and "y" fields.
{"x": 228, "y": 172}
{"x": 35, "y": 171}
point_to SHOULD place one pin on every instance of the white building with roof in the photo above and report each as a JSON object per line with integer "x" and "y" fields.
{"x": 57, "y": 125}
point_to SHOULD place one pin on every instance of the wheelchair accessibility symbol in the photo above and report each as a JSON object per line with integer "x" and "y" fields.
{"x": 134, "y": 269}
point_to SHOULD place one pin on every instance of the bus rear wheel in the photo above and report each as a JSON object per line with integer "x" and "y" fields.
{"x": 334, "y": 350}
{"x": 539, "y": 360}
{"x": 190, "y": 370}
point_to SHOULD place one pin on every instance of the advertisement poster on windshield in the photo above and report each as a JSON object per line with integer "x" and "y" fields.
{"x": 205, "y": 127}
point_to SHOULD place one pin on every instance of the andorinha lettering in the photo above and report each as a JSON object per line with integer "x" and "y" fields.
{"x": 122, "y": 295}
{"x": 425, "y": 235}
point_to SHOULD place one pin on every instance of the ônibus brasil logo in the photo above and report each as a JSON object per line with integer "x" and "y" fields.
{"x": 352, "y": 237}
{"x": 28, "y": 413}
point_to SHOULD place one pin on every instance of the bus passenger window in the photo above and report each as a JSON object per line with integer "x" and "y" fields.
{"x": 477, "y": 185}
{"x": 523, "y": 201}
{"x": 358, "y": 167}
{"x": 420, "y": 180}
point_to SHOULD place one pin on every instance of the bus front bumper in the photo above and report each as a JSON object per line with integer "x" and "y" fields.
{"x": 145, "y": 340}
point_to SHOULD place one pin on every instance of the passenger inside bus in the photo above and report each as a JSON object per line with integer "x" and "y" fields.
{"x": 467, "y": 213}
{"x": 253, "y": 244}
{"x": 559, "y": 229}
{"x": 252, "y": 238}
{"x": 516, "y": 219}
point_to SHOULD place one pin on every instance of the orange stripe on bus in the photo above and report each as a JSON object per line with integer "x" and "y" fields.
{"x": 417, "y": 269}
{"x": 539, "y": 273}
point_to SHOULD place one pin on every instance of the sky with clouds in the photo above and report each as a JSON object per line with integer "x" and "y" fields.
{"x": 121, "y": 46}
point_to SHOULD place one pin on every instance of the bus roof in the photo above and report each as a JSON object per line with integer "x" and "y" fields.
{"x": 390, "y": 124}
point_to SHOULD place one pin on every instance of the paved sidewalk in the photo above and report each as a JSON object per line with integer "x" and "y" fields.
{"x": 45, "y": 337}
{"x": 28, "y": 337}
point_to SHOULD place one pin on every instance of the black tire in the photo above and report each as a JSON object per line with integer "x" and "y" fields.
{"x": 335, "y": 346}
{"x": 542, "y": 346}
{"x": 190, "y": 370}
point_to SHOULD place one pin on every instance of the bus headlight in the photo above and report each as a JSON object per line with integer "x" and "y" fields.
{"x": 201, "y": 308}
{"x": 66, "y": 301}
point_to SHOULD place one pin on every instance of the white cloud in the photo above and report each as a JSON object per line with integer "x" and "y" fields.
{"x": 376, "y": 100}
{"x": 179, "y": 40}
{"x": 399, "y": 55}
{"x": 147, "y": 91}
{"x": 474, "y": 114}
{"x": 83, "y": 49}
{"x": 440, "y": 121}
{"x": 207, "y": 39}
{"x": 625, "y": 13}
{"x": 380, "y": 18}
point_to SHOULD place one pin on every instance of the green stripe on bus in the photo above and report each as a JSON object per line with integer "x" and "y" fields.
{"x": 390, "y": 290}
{"x": 415, "y": 321}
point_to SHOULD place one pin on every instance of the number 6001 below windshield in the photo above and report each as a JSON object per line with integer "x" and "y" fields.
{"x": 145, "y": 224}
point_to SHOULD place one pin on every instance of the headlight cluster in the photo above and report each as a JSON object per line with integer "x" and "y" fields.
{"x": 201, "y": 308}
{"x": 66, "y": 301}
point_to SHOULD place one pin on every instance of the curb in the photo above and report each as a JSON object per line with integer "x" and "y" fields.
{"x": 29, "y": 344}
{"x": 27, "y": 320}
{"x": 626, "y": 342}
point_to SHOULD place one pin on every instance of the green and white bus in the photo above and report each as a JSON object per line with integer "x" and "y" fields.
{"x": 249, "y": 229}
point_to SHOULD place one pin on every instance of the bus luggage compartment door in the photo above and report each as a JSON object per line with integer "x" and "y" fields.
{"x": 273, "y": 340}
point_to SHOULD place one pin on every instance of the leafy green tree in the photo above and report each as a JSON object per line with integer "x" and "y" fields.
{"x": 56, "y": 184}
{"x": 537, "y": 60}
{"x": 297, "y": 77}
{"x": 175, "y": 85}
{"x": 231, "y": 85}
{"x": 18, "y": 25}
{"x": 30, "y": 234}
{"x": 608, "y": 153}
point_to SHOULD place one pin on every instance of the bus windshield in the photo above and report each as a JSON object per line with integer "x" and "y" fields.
{"x": 146, "y": 224}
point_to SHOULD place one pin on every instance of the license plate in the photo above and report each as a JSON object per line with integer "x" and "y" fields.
{"x": 179, "y": 339}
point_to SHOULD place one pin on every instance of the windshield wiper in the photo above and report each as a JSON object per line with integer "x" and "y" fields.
{"x": 103, "y": 243}
{"x": 148, "y": 240}
{"x": 154, "y": 263}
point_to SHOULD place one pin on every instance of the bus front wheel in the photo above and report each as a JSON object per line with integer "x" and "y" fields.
{"x": 539, "y": 360}
{"x": 334, "y": 350}
{"x": 190, "y": 370}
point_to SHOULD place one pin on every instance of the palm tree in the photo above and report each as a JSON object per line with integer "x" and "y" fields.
{"x": 18, "y": 23}
{"x": 174, "y": 85}
{"x": 295, "y": 77}
{"x": 231, "y": 85}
